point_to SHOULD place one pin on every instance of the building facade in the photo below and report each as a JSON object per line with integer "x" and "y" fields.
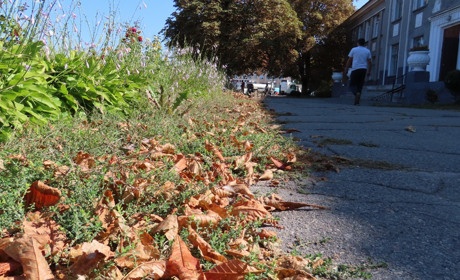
{"x": 392, "y": 27}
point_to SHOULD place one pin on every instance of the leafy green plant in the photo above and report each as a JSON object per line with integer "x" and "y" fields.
{"x": 105, "y": 129}
{"x": 452, "y": 82}
{"x": 419, "y": 48}
{"x": 432, "y": 96}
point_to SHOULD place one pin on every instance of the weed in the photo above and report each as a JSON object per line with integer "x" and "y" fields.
{"x": 324, "y": 268}
{"x": 432, "y": 96}
{"x": 131, "y": 112}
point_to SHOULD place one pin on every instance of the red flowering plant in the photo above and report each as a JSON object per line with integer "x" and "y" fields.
{"x": 132, "y": 35}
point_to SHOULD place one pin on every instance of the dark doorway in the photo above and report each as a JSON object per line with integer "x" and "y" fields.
{"x": 449, "y": 55}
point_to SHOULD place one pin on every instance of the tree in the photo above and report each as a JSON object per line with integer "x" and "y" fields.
{"x": 329, "y": 55}
{"x": 272, "y": 36}
{"x": 246, "y": 35}
{"x": 319, "y": 19}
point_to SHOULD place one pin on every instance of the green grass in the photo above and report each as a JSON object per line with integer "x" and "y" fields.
{"x": 131, "y": 111}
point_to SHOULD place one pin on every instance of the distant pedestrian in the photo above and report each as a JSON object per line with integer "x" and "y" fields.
{"x": 242, "y": 87}
{"x": 250, "y": 90}
{"x": 360, "y": 61}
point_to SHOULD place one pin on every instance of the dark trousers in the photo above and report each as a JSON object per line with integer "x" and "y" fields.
{"x": 357, "y": 78}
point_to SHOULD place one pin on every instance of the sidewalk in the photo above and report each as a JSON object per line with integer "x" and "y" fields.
{"x": 401, "y": 208}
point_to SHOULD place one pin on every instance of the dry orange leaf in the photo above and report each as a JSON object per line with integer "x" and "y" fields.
{"x": 291, "y": 157}
{"x": 252, "y": 209}
{"x": 85, "y": 161}
{"x": 268, "y": 175}
{"x": 240, "y": 161}
{"x": 9, "y": 267}
{"x": 45, "y": 231}
{"x": 211, "y": 148}
{"x": 237, "y": 253}
{"x": 182, "y": 264}
{"x": 208, "y": 219}
{"x": 265, "y": 234}
{"x": 231, "y": 270}
{"x": 206, "y": 250}
{"x": 41, "y": 195}
{"x": 168, "y": 148}
{"x": 91, "y": 255}
{"x": 26, "y": 251}
{"x": 49, "y": 164}
{"x": 276, "y": 202}
{"x": 151, "y": 270}
{"x": 61, "y": 171}
{"x": 223, "y": 192}
{"x": 289, "y": 266}
{"x": 144, "y": 250}
{"x": 169, "y": 226}
{"x": 279, "y": 164}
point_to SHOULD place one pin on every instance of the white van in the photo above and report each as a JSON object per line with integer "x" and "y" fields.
{"x": 284, "y": 85}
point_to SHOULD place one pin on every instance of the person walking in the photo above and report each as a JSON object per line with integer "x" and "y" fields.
{"x": 360, "y": 61}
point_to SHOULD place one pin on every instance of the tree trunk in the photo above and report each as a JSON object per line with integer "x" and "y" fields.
{"x": 304, "y": 71}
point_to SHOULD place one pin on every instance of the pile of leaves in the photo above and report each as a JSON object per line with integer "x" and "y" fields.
{"x": 214, "y": 226}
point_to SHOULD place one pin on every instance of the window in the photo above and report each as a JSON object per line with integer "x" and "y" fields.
{"x": 375, "y": 30}
{"x": 394, "y": 60}
{"x": 418, "y": 41}
{"x": 418, "y": 4}
{"x": 418, "y": 20}
{"x": 397, "y": 9}
{"x": 367, "y": 30}
{"x": 360, "y": 31}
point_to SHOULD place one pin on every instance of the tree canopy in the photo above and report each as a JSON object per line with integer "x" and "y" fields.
{"x": 255, "y": 36}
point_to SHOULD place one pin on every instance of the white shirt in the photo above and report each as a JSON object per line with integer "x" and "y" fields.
{"x": 360, "y": 56}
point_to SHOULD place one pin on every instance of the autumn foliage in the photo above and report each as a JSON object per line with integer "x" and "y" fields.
{"x": 126, "y": 249}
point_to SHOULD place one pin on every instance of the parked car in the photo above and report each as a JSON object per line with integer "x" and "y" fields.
{"x": 293, "y": 88}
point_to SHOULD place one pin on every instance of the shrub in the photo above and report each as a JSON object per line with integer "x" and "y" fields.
{"x": 432, "y": 96}
{"x": 419, "y": 48}
{"x": 324, "y": 89}
{"x": 452, "y": 82}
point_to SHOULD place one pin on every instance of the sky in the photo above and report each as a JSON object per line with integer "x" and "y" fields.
{"x": 151, "y": 14}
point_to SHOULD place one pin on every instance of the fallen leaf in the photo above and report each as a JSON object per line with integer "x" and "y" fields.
{"x": 151, "y": 270}
{"x": 279, "y": 164}
{"x": 141, "y": 250}
{"x": 45, "y": 231}
{"x": 41, "y": 195}
{"x": 240, "y": 188}
{"x": 9, "y": 267}
{"x": 180, "y": 163}
{"x": 211, "y": 148}
{"x": 276, "y": 202}
{"x": 252, "y": 210}
{"x": 208, "y": 219}
{"x": 410, "y": 128}
{"x": 85, "y": 161}
{"x": 231, "y": 270}
{"x": 182, "y": 264}
{"x": 169, "y": 227}
{"x": 265, "y": 234}
{"x": 206, "y": 250}
{"x": 26, "y": 251}
{"x": 92, "y": 254}
{"x": 268, "y": 175}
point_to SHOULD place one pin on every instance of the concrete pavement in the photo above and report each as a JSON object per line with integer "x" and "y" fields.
{"x": 400, "y": 209}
